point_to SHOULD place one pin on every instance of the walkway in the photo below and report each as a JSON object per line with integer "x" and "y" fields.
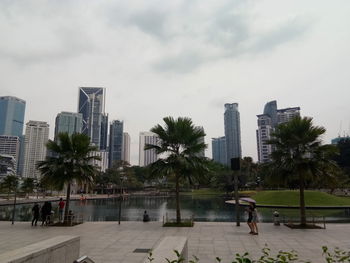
{"x": 108, "y": 242}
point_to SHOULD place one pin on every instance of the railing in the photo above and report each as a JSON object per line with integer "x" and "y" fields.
{"x": 84, "y": 259}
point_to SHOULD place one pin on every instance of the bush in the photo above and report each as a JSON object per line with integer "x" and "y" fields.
{"x": 337, "y": 256}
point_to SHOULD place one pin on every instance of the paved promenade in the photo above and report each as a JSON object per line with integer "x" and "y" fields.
{"x": 108, "y": 242}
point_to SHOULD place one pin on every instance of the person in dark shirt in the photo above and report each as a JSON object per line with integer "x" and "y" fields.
{"x": 45, "y": 213}
{"x": 36, "y": 213}
{"x": 145, "y": 217}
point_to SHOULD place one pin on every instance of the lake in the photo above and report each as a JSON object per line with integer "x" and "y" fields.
{"x": 202, "y": 208}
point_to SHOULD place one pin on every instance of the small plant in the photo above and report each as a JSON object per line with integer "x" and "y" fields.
{"x": 194, "y": 260}
{"x": 150, "y": 258}
{"x": 337, "y": 256}
{"x": 178, "y": 260}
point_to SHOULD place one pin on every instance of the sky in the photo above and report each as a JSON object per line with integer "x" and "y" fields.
{"x": 180, "y": 58}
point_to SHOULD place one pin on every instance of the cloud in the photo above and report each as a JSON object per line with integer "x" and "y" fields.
{"x": 150, "y": 22}
{"x": 48, "y": 32}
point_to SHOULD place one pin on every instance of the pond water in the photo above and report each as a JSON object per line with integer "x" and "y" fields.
{"x": 202, "y": 208}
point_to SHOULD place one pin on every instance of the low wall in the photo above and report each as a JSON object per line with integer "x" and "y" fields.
{"x": 60, "y": 249}
{"x": 165, "y": 249}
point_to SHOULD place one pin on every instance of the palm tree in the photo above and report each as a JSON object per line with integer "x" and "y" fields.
{"x": 298, "y": 152}
{"x": 181, "y": 143}
{"x": 70, "y": 161}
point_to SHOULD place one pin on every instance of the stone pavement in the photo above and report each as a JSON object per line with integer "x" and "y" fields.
{"x": 107, "y": 242}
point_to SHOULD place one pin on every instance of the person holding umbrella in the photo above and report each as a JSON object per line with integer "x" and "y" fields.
{"x": 252, "y": 215}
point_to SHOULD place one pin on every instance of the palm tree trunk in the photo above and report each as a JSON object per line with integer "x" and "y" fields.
{"x": 66, "y": 210}
{"x": 302, "y": 199}
{"x": 177, "y": 190}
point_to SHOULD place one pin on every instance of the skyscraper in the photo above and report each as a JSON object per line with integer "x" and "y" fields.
{"x": 219, "y": 150}
{"x": 115, "y": 141}
{"x": 104, "y": 132}
{"x": 232, "y": 132}
{"x": 267, "y": 122}
{"x": 69, "y": 122}
{"x": 201, "y": 140}
{"x": 11, "y": 116}
{"x": 36, "y": 137}
{"x": 9, "y": 145}
{"x": 147, "y": 157}
{"x": 126, "y": 147}
{"x": 12, "y": 111}
{"x": 92, "y": 107}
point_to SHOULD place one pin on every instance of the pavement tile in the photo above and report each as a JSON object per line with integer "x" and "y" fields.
{"x": 109, "y": 242}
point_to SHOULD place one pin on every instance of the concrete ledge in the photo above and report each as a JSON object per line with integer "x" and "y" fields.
{"x": 165, "y": 249}
{"x": 60, "y": 249}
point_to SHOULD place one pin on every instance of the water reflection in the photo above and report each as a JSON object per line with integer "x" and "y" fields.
{"x": 202, "y": 208}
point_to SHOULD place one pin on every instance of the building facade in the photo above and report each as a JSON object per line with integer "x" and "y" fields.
{"x": 219, "y": 150}
{"x": 232, "y": 132}
{"x": 115, "y": 141}
{"x": 201, "y": 140}
{"x": 92, "y": 107}
{"x": 69, "y": 122}
{"x": 147, "y": 157}
{"x": 267, "y": 122}
{"x": 104, "y": 132}
{"x": 10, "y": 146}
{"x": 36, "y": 137}
{"x": 126, "y": 147}
{"x": 12, "y": 111}
{"x": 102, "y": 164}
{"x": 7, "y": 166}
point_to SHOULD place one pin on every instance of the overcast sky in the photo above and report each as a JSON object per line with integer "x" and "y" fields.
{"x": 180, "y": 58}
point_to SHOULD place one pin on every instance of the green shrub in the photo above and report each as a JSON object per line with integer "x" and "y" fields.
{"x": 336, "y": 256}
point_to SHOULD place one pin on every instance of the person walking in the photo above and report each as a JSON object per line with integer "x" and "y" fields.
{"x": 36, "y": 213}
{"x": 61, "y": 205}
{"x": 44, "y": 213}
{"x": 250, "y": 218}
{"x": 254, "y": 219}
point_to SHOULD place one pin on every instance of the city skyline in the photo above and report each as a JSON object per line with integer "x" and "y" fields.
{"x": 180, "y": 59}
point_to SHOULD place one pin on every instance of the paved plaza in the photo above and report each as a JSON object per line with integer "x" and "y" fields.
{"x": 107, "y": 242}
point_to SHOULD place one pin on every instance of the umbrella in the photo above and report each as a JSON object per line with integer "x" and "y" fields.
{"x": 247, "y": 199}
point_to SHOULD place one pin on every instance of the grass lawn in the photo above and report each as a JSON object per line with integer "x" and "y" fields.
{"x": 291, "y": 198}
{"x": 204, "y": 191}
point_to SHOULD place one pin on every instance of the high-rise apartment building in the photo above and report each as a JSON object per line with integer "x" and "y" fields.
{"x": 219, "y": 150}
{"x": 126, "y": 147}
{"x": 103, "y": 163}
{"x": 36, "y": 137}
{"x": 267, "y": 122}
{"x": 232, "y": 132}
{"x": 115, "y": 141}
{"x": 92, "y": 107}
{"x": 147, "y": 157}
{"x": 69, "y": 122}
{"x": 9, "y": 145}
{"x": 201, "y": 140}
{"x": 11, "y": 116}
